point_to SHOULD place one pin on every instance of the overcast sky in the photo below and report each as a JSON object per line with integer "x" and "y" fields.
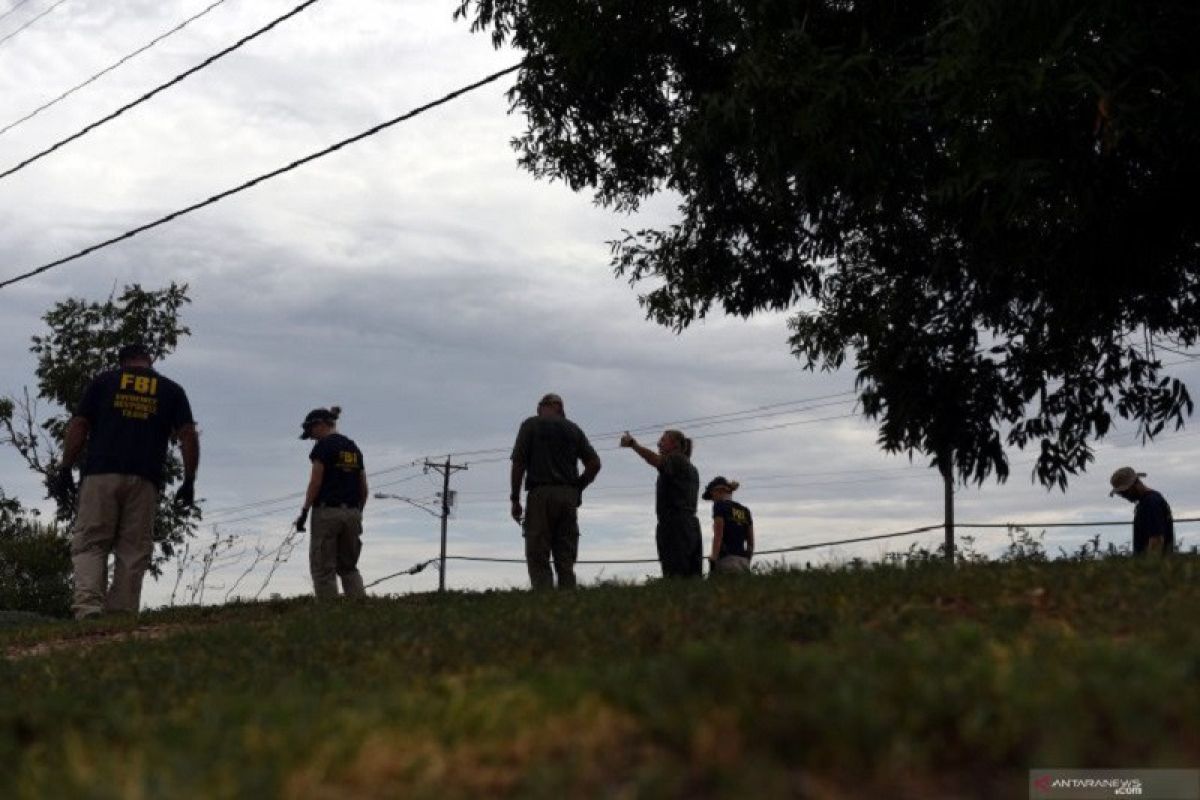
{"x": 431, "y": 288}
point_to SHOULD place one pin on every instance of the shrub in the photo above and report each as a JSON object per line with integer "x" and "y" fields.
{"x": 35, "y": 567}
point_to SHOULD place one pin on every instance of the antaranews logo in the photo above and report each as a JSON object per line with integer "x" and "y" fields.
{"x": 1043, "y": 783}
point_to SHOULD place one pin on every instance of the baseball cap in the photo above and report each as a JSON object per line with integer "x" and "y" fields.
{"x": 318, "y": 415}
{"x": 719, "y": 482}
{"x": 1124, "y": 479}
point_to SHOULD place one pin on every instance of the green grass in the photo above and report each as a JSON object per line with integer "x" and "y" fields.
{"x": 882, "y": 682}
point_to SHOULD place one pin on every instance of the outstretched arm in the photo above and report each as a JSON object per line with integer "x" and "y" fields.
{"x": 649, "y": 456}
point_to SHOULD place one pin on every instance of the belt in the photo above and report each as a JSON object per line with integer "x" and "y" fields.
{"x": 336, "y": 505}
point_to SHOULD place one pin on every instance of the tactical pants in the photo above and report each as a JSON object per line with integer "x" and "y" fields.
{"x": 115, "y": 515}
{"x": 679, "y": 546}
{"x": 333, "y": 550}
{"x": 552, "y": 529}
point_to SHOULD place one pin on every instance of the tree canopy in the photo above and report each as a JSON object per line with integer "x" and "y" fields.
{"x": 985, "y": 205}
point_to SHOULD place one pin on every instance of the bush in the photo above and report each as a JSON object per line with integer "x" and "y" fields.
{"x": 35, "y": 567}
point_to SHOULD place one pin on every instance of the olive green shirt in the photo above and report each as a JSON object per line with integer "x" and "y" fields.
{"x": 551, "y": 448}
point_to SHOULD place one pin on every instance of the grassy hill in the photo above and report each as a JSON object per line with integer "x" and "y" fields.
{"x": 890, "y": 681}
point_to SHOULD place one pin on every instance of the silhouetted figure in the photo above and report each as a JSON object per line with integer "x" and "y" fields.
{"x": 547, "y": 454}
{"x": 733, "y": 528}
{"x": 336, "y": 494}
{"x": 678, "y": 531}
{"x": 127, "y": 418}
{"x": 1153, "y": 525}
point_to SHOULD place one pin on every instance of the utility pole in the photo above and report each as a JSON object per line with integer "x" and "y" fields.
{"x": 947, "y": 470}
{"x": 445, "y": 470}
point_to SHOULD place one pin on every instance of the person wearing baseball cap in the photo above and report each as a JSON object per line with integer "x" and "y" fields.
{"x": 546, "y": 456}
{"x": 1153, "y": 525}
{"x": 733, "y": 528}
{"x": 337, "y": 493}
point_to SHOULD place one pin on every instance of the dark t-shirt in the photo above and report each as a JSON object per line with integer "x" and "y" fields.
{"x": 551, "y": 449}
{"x": 1152, "y": 517}
{"x": 677, "y": 488}
{"x": 341, "y": 483}
{"x": 131, "y": 416}
{"x": 737, "y": 524}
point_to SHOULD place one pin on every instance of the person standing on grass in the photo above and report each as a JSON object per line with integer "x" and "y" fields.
{"x": 546, "y": 455}
{"x": 678, "y": 531}
{"x": 733, "y": 528}
{"x": 336, "y": 494}
{"x": 1153, "y": 525}
{"x": 126, "y": 419}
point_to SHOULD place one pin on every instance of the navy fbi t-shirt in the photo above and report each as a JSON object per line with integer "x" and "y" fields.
{"x": 131, "y": 416}
{"x": 737, "y": 524}
{"x": 341, "y": 484}
{"x": 1152, "y": 517}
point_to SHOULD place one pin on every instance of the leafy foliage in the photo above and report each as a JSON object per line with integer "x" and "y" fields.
{"x": 82, "y": 340}
{"x": 978, "y": 202}
{"x": 35, "y": 563}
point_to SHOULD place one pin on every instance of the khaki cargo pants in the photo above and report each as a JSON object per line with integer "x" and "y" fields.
{"x": 333, "y": 550}
{"x": 731, "y": 565}
{"x": 552, "y": 529}
{"x": 115, "y": 515}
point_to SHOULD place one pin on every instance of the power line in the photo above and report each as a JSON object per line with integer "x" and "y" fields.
{"x": 701, "y": 422}
{"x": 612, "y": 448}
{"x": 266, "y": 176}
{"x": 275, "y": 501}
{"x": 814, "y": 546}
{"x": 778, "y": 550}
{"x": 108, "y": 69}
{"x": 157, "y": 90}
{"x": 747, "y": 413}
{"x": 16, "y": 5}
{"x": 1126, "y": 523}
{"x": 294, "y": 495}
{"x": 30, "y": 22}
{"x": 767, "y": 483}
{"x": 413, "y": 570}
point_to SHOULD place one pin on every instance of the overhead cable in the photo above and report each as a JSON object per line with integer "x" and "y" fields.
{"x": 707, "y": 435}
{"x": 774, "y": 551}
{"x": 157, "y": 90}
{"x": 15, "y": 6}
{"x": 264, "y": 177}
{"x": 705, "y": 421}
{"x": 30, "y": 22}
{"x": 277, "y": 503}
{"x": 109, "y": 68}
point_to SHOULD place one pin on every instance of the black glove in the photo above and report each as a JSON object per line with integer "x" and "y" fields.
{"x": 185, "y": 495}
{"x": 302, "y": 520}
{"x": 61, "y": 486}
